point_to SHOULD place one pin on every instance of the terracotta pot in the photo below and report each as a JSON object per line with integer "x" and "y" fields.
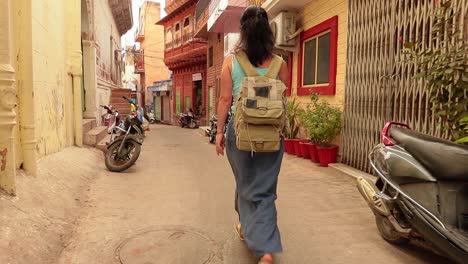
{"x": 313, "y": 152}
{"x": 289, "y": 146}
{"x": 297, "y": 148}
{"x": 327, "y": 155}
{"x": 305, "y": 149}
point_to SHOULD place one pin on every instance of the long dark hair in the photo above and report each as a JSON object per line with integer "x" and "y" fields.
{"x": 256, "y": 36}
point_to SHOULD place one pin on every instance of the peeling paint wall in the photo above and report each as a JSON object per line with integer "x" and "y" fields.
{"x": 52, "y": 85}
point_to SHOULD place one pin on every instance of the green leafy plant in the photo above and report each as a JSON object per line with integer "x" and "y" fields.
{"x": 444, "y": 69}
{"x": 323, "y": 121}
{"x": 307, "y": 116}
{"x": 294, "y": 113}
{"x": 464, "y": 125}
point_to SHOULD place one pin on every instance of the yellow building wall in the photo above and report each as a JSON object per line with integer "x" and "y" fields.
{"x": 153, "y": 45}
{"x": 46, "y": 43}
{"x": 52, "y": 85}
{"x": 311, "y": 15}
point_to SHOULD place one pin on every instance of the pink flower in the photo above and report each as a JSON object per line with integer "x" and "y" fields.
{"x": 400, "y": 38}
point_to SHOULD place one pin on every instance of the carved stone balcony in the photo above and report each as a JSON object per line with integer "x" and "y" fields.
{"x": 122, "y": 12}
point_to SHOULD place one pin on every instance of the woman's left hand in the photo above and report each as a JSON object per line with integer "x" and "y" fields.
{"x": 220, "y": 144}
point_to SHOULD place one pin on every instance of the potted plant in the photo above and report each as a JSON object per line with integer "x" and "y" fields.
{"x": 293, "y": 112}
{"x": 324, "y": 126}
{"x": 307, "y": 119}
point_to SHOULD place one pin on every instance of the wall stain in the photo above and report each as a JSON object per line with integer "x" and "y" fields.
{"x": 3, "y": 155}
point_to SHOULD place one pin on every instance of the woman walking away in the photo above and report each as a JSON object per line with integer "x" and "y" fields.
{"x": 254, "y": 146}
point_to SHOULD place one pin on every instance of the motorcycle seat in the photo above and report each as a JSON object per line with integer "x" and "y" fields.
{"x": 445, "y": 160}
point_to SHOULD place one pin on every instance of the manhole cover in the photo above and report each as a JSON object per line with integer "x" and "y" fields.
{"x": 167, "y": 246}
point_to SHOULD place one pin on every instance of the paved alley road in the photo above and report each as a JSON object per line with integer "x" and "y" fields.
{"x": 175, "y": 206}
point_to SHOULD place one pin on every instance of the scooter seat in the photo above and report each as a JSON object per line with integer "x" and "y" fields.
{"x": 447, "y": 161}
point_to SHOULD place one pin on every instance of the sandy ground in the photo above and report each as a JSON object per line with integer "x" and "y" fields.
{"x": 175, "y": 206}
{"x": 37, "y": 224}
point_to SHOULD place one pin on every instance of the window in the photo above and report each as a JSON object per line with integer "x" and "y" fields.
{"x": 210, "y": 57}
{"x": 187, "y": 30}
{"x": 178, "y": 36}
{"x": 317, "y": 59}
{"x": 169, "y": 38}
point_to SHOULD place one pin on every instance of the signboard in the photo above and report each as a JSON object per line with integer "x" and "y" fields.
{"x": 197, "y": 77}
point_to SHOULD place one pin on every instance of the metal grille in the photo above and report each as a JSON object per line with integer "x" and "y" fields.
{"x": 378, "y": 87}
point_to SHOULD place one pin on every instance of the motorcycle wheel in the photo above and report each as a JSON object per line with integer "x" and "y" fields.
{"x": 212, "y": 138}
{"x": 388, "y": 232}
{"x": 115, "y": 164}
{"x": 193, "y": 124}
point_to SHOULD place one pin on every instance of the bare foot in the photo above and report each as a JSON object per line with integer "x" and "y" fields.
{"x": 266, "y": 259}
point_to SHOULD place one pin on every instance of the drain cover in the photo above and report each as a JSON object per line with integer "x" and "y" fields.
{"x": 167, "y": 246}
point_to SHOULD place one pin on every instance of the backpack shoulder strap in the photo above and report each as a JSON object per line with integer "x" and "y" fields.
{"x": 275, "y": 67}
{"x": 245, "y": 64}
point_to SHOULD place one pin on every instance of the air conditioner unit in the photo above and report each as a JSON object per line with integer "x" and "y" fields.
{"x": 283, "y": 27}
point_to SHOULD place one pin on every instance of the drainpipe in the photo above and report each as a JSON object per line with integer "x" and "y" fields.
{"x": 7, "y": 102}
{"x": 25, "y": 86}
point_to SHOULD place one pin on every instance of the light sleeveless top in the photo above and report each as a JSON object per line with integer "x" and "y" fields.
{"x": 237, "y": 75}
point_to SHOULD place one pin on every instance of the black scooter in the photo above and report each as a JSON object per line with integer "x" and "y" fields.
{"x": 421, "y": 192}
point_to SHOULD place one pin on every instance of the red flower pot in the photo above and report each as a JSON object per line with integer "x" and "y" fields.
{"x": 289, "y": 146}
{"x": 327, "y": 155}
{"x": 304, "y": 149}
{"x": 297, "y": 148}
{"x": 313, "y": 152}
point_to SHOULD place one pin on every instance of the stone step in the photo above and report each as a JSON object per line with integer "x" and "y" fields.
{"x": 95, "y": 135}
{"x": 102, "y": 145}
{"x": 89, "y": 124}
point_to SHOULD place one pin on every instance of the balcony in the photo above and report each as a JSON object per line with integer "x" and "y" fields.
{"x": 173, "y": 5}
{"x": 139, "y": 58}
{"x": 180, "y": 49}
{"x": 224, "y": 15}
{"x": 139, "y": 36}
{"x": 122, "y": 13}
{"x": 201, "y": 18}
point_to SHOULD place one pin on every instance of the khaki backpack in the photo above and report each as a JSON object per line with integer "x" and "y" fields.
{"x": 260, "y": 116}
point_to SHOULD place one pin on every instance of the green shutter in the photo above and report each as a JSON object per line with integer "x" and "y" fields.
{"x": 178, "y": 103}
{"x": 187, "y": 103}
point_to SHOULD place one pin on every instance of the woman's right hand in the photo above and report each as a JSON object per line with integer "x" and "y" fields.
{"x": 220, "y": 140}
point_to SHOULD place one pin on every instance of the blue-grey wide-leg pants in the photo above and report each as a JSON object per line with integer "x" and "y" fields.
{"x": 256, "y": 180}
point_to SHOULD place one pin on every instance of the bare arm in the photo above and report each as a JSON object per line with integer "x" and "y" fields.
{"x": 284, "y": 73}
{"x": 225, "y": 97}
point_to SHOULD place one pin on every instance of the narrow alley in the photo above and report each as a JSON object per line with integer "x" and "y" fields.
{"x": 175, "y": 206}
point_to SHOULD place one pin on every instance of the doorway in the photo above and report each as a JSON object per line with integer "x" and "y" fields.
{"x": 198, "y": 98}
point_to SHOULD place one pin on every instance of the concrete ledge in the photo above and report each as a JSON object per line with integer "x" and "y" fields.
{"x": 203, "y": 130}
{"x": 350, "y": 171}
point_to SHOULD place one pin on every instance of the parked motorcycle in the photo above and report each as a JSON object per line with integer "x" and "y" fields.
{"x": 188, "y": 120}
{"x": 138, "y": 113}
{"x": 111, "y": 118}
{"x": 212, "y": 131}
{"x": 124, "y": 146}
{"x": 150, "y": 114}
{"x": 421, "y": 192}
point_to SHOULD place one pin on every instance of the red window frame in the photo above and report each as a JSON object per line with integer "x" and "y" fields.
{"x": 290, "y": 69}
{"x": 329, "y": 89}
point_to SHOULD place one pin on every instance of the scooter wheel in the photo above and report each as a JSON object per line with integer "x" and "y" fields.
{"x": 388, "y": 232}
